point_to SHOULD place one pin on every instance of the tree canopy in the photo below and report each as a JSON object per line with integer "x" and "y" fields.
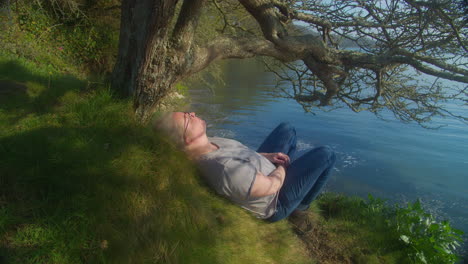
{"x": 367, "y": 55}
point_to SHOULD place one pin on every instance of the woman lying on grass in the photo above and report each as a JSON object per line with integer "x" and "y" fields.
{"x": 268, "y": 182}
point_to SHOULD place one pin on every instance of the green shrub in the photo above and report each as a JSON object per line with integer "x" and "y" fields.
{"x": 402, "y": 234}
{"x": 429, "y": 241}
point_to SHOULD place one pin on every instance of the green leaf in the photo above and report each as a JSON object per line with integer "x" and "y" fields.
{"x": 421, "y": 257}
{"x": 405, "y": 239}
{"x": 433, "y": 227}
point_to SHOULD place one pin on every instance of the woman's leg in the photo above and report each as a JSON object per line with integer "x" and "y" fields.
{"x": 305, "y": 178}
{"x": 281, "y": 139}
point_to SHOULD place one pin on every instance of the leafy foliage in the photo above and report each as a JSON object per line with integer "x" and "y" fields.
{"x": 429, "y": 241}
{"x": 408, "y": 233}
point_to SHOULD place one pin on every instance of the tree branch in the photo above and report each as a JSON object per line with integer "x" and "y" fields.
{"x": 182, "y": 36}
{"x": 235, "y": 47}
{"x": 425, "y": 69}
{"x": 309, "y": 48}
{"x": 265, "y": 13}
{"x": 377, "y": 62}
{"x": 312, "y": 19}
{"x": 433, "y": 61}
{"x": 437, "y": 7}
{"x": 356, "y": 22}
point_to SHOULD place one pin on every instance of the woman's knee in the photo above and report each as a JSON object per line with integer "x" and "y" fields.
{"x": 287, "y": 127}
{"x": 327, "y": 152}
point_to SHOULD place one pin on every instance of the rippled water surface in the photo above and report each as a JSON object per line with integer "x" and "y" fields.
{"x": 400, "y": 162}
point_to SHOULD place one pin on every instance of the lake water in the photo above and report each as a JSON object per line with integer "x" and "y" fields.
{"x": 388, "y": 159}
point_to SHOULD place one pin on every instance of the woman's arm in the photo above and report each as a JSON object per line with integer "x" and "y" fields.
{"x": 268, "y": 185}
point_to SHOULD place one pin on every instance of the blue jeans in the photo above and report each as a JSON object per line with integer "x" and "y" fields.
{"x": 305, "y": 176}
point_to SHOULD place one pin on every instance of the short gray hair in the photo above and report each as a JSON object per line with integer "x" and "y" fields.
{"x": 165, "y": 123}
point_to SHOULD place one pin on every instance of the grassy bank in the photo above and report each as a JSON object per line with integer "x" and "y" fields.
{"x": 81, "y": 182}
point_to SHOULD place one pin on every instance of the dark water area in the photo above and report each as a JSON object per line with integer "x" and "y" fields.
{"x": 388, "y": 159}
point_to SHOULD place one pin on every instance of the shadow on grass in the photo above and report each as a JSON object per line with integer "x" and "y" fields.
{"x": 92, "y": 185}
{"x": 26, "y": 91}
{"x": 52, "y": 186}
{"x": 80, "y": 193}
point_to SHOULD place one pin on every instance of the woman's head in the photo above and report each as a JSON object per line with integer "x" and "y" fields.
{"x": 183, "y": 128}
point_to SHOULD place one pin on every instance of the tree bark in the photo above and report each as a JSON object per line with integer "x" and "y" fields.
{"x": 153, "y": 57}
{"x": 143, "y": 47}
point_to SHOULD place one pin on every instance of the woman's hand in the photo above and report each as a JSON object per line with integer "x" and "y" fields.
{"x": 277, "y": 158}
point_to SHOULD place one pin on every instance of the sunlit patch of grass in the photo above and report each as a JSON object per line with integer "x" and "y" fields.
{"x": 32, "y": 235}
{"x": 34, "y": 89}
{"x": 357, "y": 232}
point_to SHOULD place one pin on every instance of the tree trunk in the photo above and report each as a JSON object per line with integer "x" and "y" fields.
{"x": 144, "y": 67}
{"x": 156, "y": 81}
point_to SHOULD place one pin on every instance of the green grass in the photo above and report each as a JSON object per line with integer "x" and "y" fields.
{"x": 60, "y": 39}
{"x": 81, "y": 182}
{"x": 358, "y": 231}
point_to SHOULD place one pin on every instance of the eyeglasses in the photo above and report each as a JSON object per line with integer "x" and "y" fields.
{"x": 187, "y": 117}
